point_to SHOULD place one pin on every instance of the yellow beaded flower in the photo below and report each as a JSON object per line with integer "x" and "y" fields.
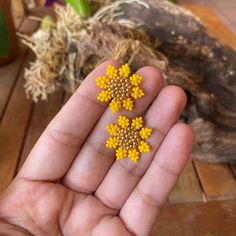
{"x": 128, "y": 138}
{"x": 120, "y": 88}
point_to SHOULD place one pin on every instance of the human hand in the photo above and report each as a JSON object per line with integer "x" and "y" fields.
{"x": 70, "y": 183}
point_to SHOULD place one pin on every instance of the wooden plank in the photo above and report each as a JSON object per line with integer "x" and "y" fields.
{"x": 187, "y": 188}
{"x": 42, "y": 11}
{"x": 12, "y": 130}
{"x": 199, "y": 219}
{"x": 28, "y": 26}
{"x": 43, "y": 113}
{"x": 18, "y": 8}
{"x": 18, "y": 22}
{"x": 8, "y": 76}
{"x": 14, "y": 122}
{"x": 214, "y": 24}
{"x": 217, "y": 180}
{"x": 9, "y": 72}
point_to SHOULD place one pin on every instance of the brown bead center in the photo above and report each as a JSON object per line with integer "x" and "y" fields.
{"x": 128, "y": 138}
{"x": 120, "y": 88}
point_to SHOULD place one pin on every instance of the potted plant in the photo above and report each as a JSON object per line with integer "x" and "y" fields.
{"x": 8, "y": 43}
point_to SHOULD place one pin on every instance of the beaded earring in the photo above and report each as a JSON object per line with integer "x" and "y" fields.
{"x": 128, "y": 138}
{"x": 119, "y": 88}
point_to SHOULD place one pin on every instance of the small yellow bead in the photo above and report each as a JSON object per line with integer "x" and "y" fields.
{"x": 123, "y": 121}
{"x": 144, "y": 147}
{"x": 121, "y": 153}
{"x": 145, "y": 133}
{"x": 128, "y": 104}
{"x": 112, "y": 143}
{"x": 136, "y": 79}
{"x": 113, "y": 129}
{"x": 125, "y": 71}
{"x": 111, "y": 72}
{"x": 137, "y": 122}
{"x": 137, "y": 93}
{"x": 115, "y": 105}
{"x": 134, "y": 155}
{"x": 104, "y": 96}
{"x": 102, "y": 82}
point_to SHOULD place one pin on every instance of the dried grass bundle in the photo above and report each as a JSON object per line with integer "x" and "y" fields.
{"x": 67, "y": 50}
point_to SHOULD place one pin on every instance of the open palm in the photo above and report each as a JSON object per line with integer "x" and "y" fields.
{"x": 71, "y": 185}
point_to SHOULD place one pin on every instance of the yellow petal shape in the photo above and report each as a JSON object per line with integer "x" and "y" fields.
{"x": 121, "y": 153}
{"x": 112, "y": 143}
{"x": 145, "y": 133}
{"x": 128, "y": 104}
{"x": 137, "y": 93}
{"x": 115, "y": 105}
{"x": 134, "y": 155}
{"x": 137, "y": 122}
{"x": 113, "y": 129}
{"x": 123, "y": 121}
{"x": 144, "y": 147}
{"x": 111, "y": 72}
{"x": 102, "y": 82}
{"x": 125, "y": 71}
{"x": 136, "y": 79}
{"x": 104, "y": 96}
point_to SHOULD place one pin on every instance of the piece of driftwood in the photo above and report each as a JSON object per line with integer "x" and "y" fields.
{"x": 204, "y": 67}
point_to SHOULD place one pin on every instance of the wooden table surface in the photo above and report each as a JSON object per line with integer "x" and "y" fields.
{"x": 202, "y": 203}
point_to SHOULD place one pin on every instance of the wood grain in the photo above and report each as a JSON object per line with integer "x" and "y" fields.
{"x": 199, "y": 219}
{"x": 18, "y": 22}
{"x": 19, "y": 8}
{"x": 43, "y": 113}
{"x": 8, "y": 76}
{"x": 12, "y": 130}
{"x": 9, "y": 72}
{"x": 28, "y": 26}
{"x": 187, "y": 188}
{"x": 217, "y": 180}
{"x": 15, "y": 120}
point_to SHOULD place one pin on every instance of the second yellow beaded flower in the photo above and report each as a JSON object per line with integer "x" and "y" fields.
{"x": 128, "y": 138}
{"x": 120, "y": 88}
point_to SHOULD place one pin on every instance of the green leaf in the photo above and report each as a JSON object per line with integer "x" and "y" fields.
{"x": 81, "y": 7}
{"x": 4, "y": 36}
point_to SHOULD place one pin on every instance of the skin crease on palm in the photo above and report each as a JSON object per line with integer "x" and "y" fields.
{"x": 70, "y": 184}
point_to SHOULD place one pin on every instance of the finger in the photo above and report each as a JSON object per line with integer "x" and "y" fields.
{"x": 94, "y": 160}
{"x": 58, "y": 145}
{"x": 152, "y": 191}
{"x": 124, "y": 175}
